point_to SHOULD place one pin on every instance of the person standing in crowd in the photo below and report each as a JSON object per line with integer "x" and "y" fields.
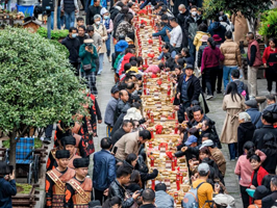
{"x": 69, "y": 8}
{"x": 56, "y": 178}
{"x": 126, "y": 128}
{"x": 254, "y": 62}
{"x": 188, "y": 89}
{"x": 108, "y": 22}
{"x": 110, "y": 109}
{"x": 130, "y": 143}
{"x": 244, "y": 170}
{"x": 79, "y": 189}
{"x": 73, "y": 45}
{"x": 7, "y": 185}
{"x": 233, "y": 104}
{"x": 202, "y": 30}
{"x": 69, "y": 143}
{"x": 242, "y": 88}
{"x": 176, "y": 35}
{"x": 104, "y": 170}
{"x": 270, "y": 62}
{"x": 210, "y": 65}
{"x": 245, "y": 131}
{"x": 217, "y": 28}
{"x": 88, "y": 55}
{"x": 181, "y": 18}
{"x": 101, "y": 30}
{"x": 254, "y": 113}
{"x": 82, "y": 34}
{"x": 92, "y": 10}
{"x": 219, "y": 74}
{"x": 190, "y": 27}
{"x": 116, "y": 188}
{"x": 204, "y": 41}
{"x": 232, "y": 60}
{"x": 163, "y": 199}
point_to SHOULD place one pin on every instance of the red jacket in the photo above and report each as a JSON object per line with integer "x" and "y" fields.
{"x": 125, "y": 60}
{"x": 211, "y": 58}
{"x": 260, "y": 175}
{"x": 267, "y": 52}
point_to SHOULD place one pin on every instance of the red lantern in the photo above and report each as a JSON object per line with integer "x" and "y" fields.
{"x": 173, "y": 165}
{"x": 150, "y": 144}
{"x": 153, "y": 185}
{"x": 173, "y": 115}
{"x": 152, "y": 118}
{"x": 178, "y": 184}
{"x": 152, "y": 133}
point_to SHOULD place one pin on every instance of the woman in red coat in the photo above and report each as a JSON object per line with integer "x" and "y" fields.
{"x": 259, "y": 172}
{"x": 270, "y": 62}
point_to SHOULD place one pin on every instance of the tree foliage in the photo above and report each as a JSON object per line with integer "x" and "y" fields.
{"x": 37, "y": 83}
{"x": 268, "y": 25}
{"x": 250, "y": 9}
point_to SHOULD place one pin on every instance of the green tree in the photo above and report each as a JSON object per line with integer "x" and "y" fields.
{"x": 37, "y": 84}
{"x": 250, "y": 9}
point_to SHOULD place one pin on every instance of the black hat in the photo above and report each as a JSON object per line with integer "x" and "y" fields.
{"x": 251, "y": 103}
{"x": 114, "y": 89}
{"x": 62, "y": 154}
{"x": 81, "y": 162}
{"x": 94, "y": 203}
{"x": 260, "y": 192}
{"x": 68, "y": 140}
{"x": 189, "y": 66}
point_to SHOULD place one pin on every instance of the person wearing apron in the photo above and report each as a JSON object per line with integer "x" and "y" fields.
{"x": 270, "y": 62}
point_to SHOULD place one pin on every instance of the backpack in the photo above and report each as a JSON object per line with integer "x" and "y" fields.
{"x": 191, "y": 198}
{"x": 241, "y": 90}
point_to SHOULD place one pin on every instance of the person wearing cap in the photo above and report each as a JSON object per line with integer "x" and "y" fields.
{"x": 254, "y": 113}
{"x": 88, "y": 55}
{"x": 205, "y": 190}
{"x": 190, "y": 149}
{"x": 110, "y": 110}
{"x": 188, "y": 88}
{"x": 216, "y": 154}
{"x": 55, "y": 181}
{"x": 104, "y": 169}
{"x": 69, "y": 143}
{"x": 79, "y": 188}
{"x": 245, "y": 131}
{"x": 232, "y": 60}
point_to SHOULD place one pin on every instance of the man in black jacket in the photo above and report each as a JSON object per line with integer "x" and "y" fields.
{"x": 72, "y": 44}
{"x": 93, "y": 10}
{"x": 126, "y": 128}
{"x": 116, "y": 188}
{"x": 181, "y": 18}
{"x": 188, "y": 89}
{"x": 258, "y": 137}
{"x": 148, "y": 199}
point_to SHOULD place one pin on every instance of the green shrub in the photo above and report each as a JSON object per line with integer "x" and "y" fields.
{"x": 268, "y": 25}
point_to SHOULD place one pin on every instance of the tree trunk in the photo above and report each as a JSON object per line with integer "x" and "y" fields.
{"x": 55, "y": 14}
{"x": 12, "y": 153}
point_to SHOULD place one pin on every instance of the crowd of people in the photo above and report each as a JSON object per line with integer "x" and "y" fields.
{"x": 200, "y": 55}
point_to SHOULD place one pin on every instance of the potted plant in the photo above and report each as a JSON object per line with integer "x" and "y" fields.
{"x": 268, "y": 26}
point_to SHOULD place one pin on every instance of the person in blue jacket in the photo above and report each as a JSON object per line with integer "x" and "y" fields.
{"x": 164, "y": 26}
{"x": 7, "y": 185}
{"x": 104, "y": 170}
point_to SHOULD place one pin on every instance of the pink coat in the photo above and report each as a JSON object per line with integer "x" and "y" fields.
{"x": 244, "y": 169}
{"x": 152, "y": 68}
